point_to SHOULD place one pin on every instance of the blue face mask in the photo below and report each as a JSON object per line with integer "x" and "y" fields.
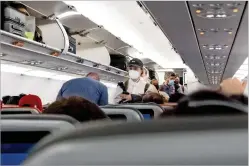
{"x": 171, "y": 82}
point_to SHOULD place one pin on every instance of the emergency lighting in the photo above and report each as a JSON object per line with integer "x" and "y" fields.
{"x": 210, "y": 16}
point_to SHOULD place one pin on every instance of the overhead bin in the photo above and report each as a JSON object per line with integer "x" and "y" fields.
{"x": 79, "y": 25}
{"x": 39, "y": 55}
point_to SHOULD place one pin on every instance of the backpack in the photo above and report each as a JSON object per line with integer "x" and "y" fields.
{"x": 145, "y": 88}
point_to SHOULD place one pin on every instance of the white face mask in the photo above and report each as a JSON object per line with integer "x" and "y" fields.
{"x": 133, "y": 74}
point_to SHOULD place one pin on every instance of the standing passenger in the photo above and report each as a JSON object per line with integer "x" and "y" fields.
{"x": 89, "y": 88}
{"x": 168, "y": 85}
{"x": 136, "y": 86}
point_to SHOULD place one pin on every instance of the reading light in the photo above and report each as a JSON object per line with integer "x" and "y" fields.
{"x": 235, "y": 10}
{"x": 210, "y": 16}
{"x": 201, "y": 33}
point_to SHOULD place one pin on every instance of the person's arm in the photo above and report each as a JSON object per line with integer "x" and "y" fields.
{"x": 104, "y": 97}
{"x": 60, "y": 93}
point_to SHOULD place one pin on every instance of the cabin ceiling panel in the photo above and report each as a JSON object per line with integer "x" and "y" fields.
{"x": 240, "y": 48}
{"x": 46, "y": 8}
{"x": 107, "y": 38}
{"x": 174, "y": 19}
{"x": 216, "y": 24}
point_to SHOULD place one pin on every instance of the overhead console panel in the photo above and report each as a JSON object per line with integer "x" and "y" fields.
{"x": 216, "y": 25}
{"x": 175, "y": 21}
{"x": 239, "y": 50}
{"x": 205, "y": 34}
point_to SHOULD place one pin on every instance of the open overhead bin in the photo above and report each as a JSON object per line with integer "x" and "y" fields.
{"x": 78, "y": 24}
{"x": 53, "y": 53}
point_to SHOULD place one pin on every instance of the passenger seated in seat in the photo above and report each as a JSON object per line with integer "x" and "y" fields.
{"x": 5, "y": 99}
{"x": 183, "y": 108}
{"x": 174, "y": 98}
{"x": 165, "y": 95}
{"x": 153, "y": 97}
{"x": 76, "y": 107}
{"x": 89, "y": 88}
{"x": 14, "y": 100}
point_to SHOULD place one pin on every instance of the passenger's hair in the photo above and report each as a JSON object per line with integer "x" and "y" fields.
{"x": 174, "y": 98}
{"x": 173, "y": 75}
{"x": 183, "y": 108}
{"x": 153, "y": 97}
{"x": 15, "y": 99}
{"x": 5, "y": 99}
{"x": 93, "y": 75}
{"x": 76, "y": 107}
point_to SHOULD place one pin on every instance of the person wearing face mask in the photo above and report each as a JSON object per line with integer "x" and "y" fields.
{"x": 168, "y": 85}
{"x": 136, "y": 86}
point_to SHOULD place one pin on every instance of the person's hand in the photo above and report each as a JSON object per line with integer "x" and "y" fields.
{"x": 231, "y": 86}
{"x": 126, "y": 97}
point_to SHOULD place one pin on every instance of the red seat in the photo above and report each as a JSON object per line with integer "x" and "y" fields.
{"x": 31, "y": 101}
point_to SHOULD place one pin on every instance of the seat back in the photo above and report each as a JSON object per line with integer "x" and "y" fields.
{"x": 122, "y": 113}
{"x": 19, "y": 110}
{"x": 41, "y": 117}
{"x": 149, "y": 110}
{"x": 19, "y": 135}
{"x": 174, "y": 141}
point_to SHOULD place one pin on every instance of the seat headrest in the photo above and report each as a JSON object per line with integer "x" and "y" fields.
{"x": 41, "y": 117}
{"x": 131, "y": 114}
{"x": 171, "y": 141}
{"x": 31, "y": 101}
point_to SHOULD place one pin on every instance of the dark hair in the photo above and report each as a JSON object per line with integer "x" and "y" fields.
{"x": 174, "y": 98}
{"x": 173, "y": 75}
{"x": 153, "y": 97}
{"x": 183, "y": 108}
{"x": 5, "y": 99}
{"x": 76, "y": 107}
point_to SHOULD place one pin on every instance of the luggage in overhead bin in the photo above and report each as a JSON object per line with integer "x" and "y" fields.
{"x": 119, "y": 61}
{"x": 13, "y": 20}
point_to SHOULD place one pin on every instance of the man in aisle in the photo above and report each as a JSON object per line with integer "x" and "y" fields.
{"x": 89, "y": 88}
{"x": 136, "y": 86}
{"x": 168, "y": 85}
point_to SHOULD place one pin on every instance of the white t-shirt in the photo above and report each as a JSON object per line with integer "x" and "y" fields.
{"x": 137, "y": 88}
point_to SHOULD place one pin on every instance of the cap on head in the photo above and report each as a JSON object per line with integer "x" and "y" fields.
{"x": 136, "y": 62}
